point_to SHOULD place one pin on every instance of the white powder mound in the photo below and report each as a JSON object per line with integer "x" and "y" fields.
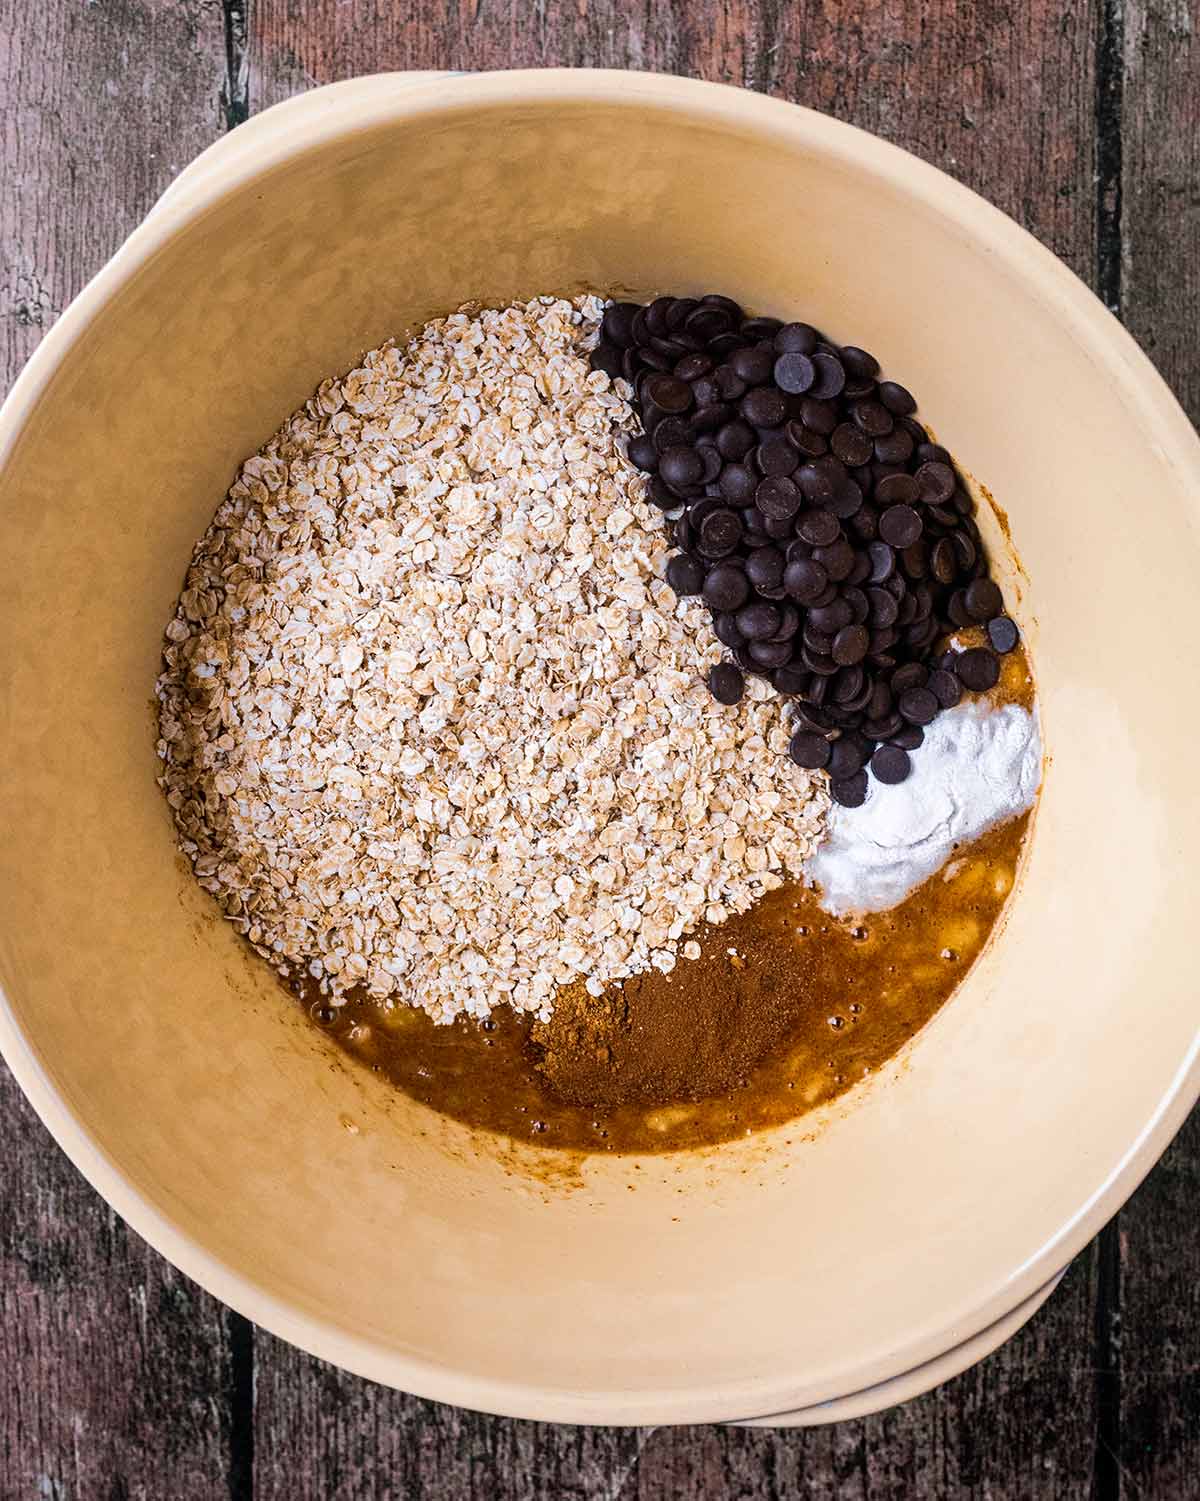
{"x": 432, "y": 723}
{"x": 978, "y": 766}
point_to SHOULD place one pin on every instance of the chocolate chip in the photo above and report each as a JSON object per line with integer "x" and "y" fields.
{"x": 945, "y": 687}
{"x": 735, "y": 440}
{"x": 669, "y": 393}
{"x": 908, "y": 737}
{"x": 726, "y": 683}
{"x": 720, "y": 533}
{"x": 911, "y": 675}
{"x": 693, "y": 366}
{"x": 895, "y": 447}
{"x": 805, "y": 580}
{"x": 899, "y": 526}
{"x": 850, "y": 445}
{"x": 617, "y": 324}
{"x": 818, "y": 528}
{"x": 983, "y": 599}
{"x": 917, "y": 705}
{"x": 738, "y": 482}
{"x": 795, "y": 338}
{"x": 706, "y": 322}
{"x": 795, "y": 373}
{"x": 643, "y": 453}
{"x": 943, "y": 561}
{"x": 729, "y": 384}
{"x": 859, "y": 363}
{"x": 809, "y": 749}
{"x": 752, "y": 364}
{"x": 685, "y": 574}
{"x": 725, "y": 629}
{"x": 711, "y": 460}
{"x": 761, "y": 328}
{"x": 850, "y": 792}
{"x": 778, "y": 499}
{"x": 707, "y": 419}
{"x": 1002, "y": 633}
{"x": 884, "y": 727}
{"x": 848, "y": 686}
{"x": 609, "y": 358}
{"x": 809, "y": 443}
{"x": 765, "y": 566}
{"x": 837, "y": 559}
{"x": 965, "y": 548}
{"x": 831, "y": 377}
{"x": 978, "y": 669}
{"x": 680, "y": 467}
{"x": 763, "y": 407}
{"x": 936, "y": 481}
{"x": 846, "y": 757}
{"x": 956, "y": 609}
{"x": 932, "y": 453}
{"x": 882, "y": 559}
{"x": 758, "y": 621}
{"x": 726, "y": 587}
{"x": 850, "y": 645}
{"x": 883, "y": 607}
{"x": 830, "y": 568}
{"x": 897, "y": 400}
{"x": 770, "y": 653}
{"x": 775, "y": 457}
{"x": 872, "y": 417}
{"x": 890, "y": 764}
{"x": 897, "y": 490}
{"x": 789, "y": 680}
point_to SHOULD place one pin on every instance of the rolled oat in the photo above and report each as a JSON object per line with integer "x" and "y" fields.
{"x": 431, "y": 721}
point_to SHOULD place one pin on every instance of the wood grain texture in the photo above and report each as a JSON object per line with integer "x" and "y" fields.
{"x": 101, "y": 104}
{"x": 1158, "y": 1439}
{"x": 999, "y": 93}
{"x": 114, "y": 1369}
{"x": 1019, "y": 1426}
{"x": 321, "y": 1435}
{"x": 118, "y": 1379}
{"x": 1160, "y": 208}
{"x": 1156, "y": 1351}
{"x": 1004, "y": 97}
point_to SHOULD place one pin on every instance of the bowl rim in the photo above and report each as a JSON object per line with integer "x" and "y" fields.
{"x": 357, "y": 106}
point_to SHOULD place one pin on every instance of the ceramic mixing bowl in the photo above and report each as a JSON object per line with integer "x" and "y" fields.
{"x": 847, "y": 1253}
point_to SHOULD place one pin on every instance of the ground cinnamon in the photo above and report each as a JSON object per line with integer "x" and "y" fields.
{"x": 696, "y": 1032}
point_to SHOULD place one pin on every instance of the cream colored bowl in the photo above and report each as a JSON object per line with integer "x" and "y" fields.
{"x": 930, "y": 1207}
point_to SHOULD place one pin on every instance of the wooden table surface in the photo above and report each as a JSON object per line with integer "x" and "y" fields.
{"x": 120, "y": 1379}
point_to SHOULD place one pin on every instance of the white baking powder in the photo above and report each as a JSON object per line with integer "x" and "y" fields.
{"x": 978, "y": 766}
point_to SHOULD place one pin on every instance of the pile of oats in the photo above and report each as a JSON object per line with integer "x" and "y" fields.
{"x": 431, "y": 722}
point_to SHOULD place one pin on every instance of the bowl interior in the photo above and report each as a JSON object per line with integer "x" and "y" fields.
{"x": 768, "y": 1274}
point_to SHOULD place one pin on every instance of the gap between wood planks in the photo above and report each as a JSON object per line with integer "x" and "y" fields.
{"x": 235, "y": 103}
{"x": 1109, "y": 101}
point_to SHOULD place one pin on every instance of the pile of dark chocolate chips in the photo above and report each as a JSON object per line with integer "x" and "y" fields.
{"x": 833, "y": 542}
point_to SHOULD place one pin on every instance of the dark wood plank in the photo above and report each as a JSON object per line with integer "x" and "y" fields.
{"x": 100, "y": 107}
{"x": 322, "y": 1435}
{"x": 1000, "y": 94}
{"x": 1156, "y": 1353}
{"x": 1160, "y": 209}
{"x": 1003, "y": 96}
{"x": 1158, "y": 1448}
{"x": 1014, "y": 1427}
{"x": 114, "y": 1369}
{"x": 1008, "y": 1429}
